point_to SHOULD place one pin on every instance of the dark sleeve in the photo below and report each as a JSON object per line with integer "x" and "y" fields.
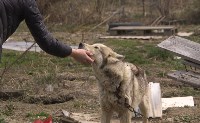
{"x": 40, "y": 33}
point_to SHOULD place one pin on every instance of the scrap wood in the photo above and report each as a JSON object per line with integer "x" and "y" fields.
{"x": 65, "y": 117}
{"x": 187, "y": 77}
{"x": 177, "y": 102}
{"x": 187, "y": 49}
{"x": 68, "y": 120}
{"x": 69, "y": 117}
{"x": 185, "y": 34}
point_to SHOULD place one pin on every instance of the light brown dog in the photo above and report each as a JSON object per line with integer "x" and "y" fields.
{"x": 122, "y": 85}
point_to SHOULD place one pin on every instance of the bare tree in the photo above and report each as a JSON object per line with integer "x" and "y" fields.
{"x": 99, "y": 7}
{"x": 163, "y": 6}
{"x": 143, "y": 8}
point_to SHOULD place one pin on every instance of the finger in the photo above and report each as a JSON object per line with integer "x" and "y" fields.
{"x": 90, "y": 60}
{"x": 89, "y": 53}
{"x": 88, "y": 56}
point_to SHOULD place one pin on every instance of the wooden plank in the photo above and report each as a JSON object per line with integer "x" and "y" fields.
{"x": 142, "y": 27}
{"x": 187, "y": 77}
{"x": 185, "y": 48}
{"x": 143, "y": 30}
{"x": 131, "y": 37}
{"x": 190, "y": 63}
{"x": 155, "y": 21}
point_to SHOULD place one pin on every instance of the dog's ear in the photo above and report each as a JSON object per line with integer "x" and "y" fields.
{"x": 114, "y": 57}
{"x": 120, "y": 57}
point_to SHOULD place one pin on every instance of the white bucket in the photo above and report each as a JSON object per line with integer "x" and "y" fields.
{"x": 154, "y": 100}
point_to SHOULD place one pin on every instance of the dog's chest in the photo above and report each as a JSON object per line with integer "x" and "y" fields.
{"x": 110, "y": 85}
{"x": 109, "y": 78}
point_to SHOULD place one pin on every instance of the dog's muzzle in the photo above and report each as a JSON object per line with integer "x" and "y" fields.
{"x": 81, "y": 46}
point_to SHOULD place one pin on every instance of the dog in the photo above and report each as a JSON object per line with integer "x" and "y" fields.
{"x": 122, "y": 86}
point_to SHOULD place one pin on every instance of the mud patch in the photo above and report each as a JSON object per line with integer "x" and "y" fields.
{"x": 49, "y": 99}
{"x": 10, "y": 94}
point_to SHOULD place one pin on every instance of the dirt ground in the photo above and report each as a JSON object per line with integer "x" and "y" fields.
{"x": 85, "y": 104}
{"x": 77, "y": 92}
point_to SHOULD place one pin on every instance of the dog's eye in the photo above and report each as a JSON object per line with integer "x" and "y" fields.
{"x": 96, "y": 47}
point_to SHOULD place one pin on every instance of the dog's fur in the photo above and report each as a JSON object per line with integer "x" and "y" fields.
{"x": 121, "y": 84}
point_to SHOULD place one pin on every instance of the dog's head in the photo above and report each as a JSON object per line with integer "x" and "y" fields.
{"x": 101, "y": 54}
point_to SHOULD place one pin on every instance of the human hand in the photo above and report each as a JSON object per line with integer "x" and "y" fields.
{"x": 82, "y": 56}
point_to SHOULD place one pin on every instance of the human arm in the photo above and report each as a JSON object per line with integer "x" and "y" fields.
{"x": 45, "y": 40}
{"x": 40, "y": 33}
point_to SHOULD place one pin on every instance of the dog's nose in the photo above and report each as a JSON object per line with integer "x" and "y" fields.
{"x": 81, "y": 45}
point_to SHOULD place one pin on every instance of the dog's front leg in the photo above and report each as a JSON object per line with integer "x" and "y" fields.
{"x": 106, "y": 116}
{"x": 125, "y": 117}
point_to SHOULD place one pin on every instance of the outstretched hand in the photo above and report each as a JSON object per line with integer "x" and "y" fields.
{"x": 82, "y": 56}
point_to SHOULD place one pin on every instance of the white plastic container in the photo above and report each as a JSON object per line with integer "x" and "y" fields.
{"x": 155, "y": 100}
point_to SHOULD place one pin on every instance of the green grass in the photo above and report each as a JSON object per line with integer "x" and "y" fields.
{"x": 157, "y": 53}
{"x": 36, "y": 70}
{"x": 140, "y": 52}
{"x": 31, "y": 59}
{"x": 43, "y": 69}
{"x": 146, "y": 54}
{"x": 182, "y": 91}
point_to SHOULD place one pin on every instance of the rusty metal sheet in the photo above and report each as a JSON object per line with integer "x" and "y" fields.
{"x": 185, "y": 48}
{"x": 187, "y": 77}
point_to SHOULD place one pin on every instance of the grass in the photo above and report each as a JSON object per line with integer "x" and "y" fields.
{"x": 2, "y": 120}
{"x": 9, "y": 110}
{"x": 38, "y": 69}
{"x": 41, "y": 115}
{"x": 182, "y": 91}
{"x": 139, "y": 52}
{"x": 44, "y": 68}
{"x": 186, "y": 119}
{"x": 31, "y": 59}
